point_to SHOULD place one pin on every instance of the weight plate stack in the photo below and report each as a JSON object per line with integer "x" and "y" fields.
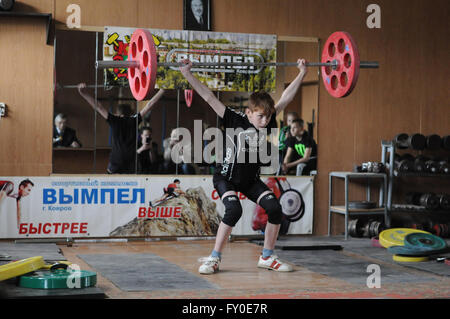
{"x": 396, "y": 236}
{"x": 292, "y": 204}
{"x": 361, "y": 205}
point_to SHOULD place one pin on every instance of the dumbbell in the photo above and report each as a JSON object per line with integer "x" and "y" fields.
{"x": 404, "y": 163}
{"x": 443, "y": 167}
{"x": 434, "y": 142}
{"x": 354, "y": 228}
{"x": 429, "y": 165}
{"x": 445, "y": 142}
{"x": 366, "y": 230}
{"x": 444, "y": 201}
{"x": 415, "y": 141}
{"x": 375, "y": 228}
{"x": 427, "y": 200}
{"x": 419, "y": 164}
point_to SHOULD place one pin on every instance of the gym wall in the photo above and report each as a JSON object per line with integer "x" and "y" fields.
{"x": 408, "y": 93}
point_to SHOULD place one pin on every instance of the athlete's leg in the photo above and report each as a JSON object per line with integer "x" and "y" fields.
{"x": 270, "y": 203}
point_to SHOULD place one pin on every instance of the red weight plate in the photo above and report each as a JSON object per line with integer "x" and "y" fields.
{"x": 142, "y": 79}
{"x": 188, "y": 96}
{"x": 341, "y": 47}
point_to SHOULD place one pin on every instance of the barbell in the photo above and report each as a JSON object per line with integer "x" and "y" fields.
{"x": 340, "y": 64}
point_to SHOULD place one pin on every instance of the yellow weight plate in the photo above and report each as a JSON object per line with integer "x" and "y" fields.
{"x": 21, "y": 267}
{"x": 396, "y": 236}
{"x": 409, "y": 258}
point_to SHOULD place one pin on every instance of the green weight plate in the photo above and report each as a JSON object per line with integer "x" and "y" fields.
{"x": 408, "y": 251}
{"x": 424, "y": 241}
{"x": 59, "y": 278}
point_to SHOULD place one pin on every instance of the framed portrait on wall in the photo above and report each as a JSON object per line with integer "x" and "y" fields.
{"x": 197, "y": 15}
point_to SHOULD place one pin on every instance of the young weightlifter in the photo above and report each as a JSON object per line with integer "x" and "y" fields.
{"x": 233, "y": 176}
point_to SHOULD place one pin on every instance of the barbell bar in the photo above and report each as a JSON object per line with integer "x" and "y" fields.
{"x": 89, "y": 86}
{"x": 135, "y": 64}
{"x": 340, "y": 64}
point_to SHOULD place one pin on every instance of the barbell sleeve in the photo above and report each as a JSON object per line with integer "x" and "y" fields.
{"x": 369, "y": 65}
{"x": 116, "y": 64}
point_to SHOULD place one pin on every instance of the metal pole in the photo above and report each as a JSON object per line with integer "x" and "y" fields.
{"x": 96, "y": 105}
{"x": 178, "y": 121}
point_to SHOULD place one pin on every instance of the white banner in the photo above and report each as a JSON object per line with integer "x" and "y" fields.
{"x": 139, "y": 206}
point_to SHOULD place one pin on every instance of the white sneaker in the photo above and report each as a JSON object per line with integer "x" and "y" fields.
{"x": 209, "y": 265}
{"x": 274, "y": 263}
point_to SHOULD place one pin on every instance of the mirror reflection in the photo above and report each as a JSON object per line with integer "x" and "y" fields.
{"x": 104, "y": 130}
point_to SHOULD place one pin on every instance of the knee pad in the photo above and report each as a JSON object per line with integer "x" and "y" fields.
{"x": 233, "y": 210}
{"x": 273, "y": 208}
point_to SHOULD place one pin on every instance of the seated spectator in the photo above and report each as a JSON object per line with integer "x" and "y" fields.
{"x": 301, "y": 155}
{"x": 64, "y": 136}
{"x": 285, "y": 133}
{"x": 148, "y": 158}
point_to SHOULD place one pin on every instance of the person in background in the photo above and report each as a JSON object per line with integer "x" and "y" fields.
{"x": 148, "y": 158}
{"x": 122, "y": 159}
{"x": 301, "y": 155}
{"x": 285, "y": 132}
{"x": 64, "y": 136}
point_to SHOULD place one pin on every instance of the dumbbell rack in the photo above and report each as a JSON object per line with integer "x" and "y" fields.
{"x": 388, "y": 161}
{"x": 345, "y": 210}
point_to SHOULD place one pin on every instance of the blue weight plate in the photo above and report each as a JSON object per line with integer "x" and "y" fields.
{"x": 424, "y": 241}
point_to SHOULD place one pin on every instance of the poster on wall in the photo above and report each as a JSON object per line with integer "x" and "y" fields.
{"x": 199, "y": 46}
{"x": 134, "y": 206}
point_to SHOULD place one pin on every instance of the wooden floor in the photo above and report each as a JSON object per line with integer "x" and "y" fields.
{"x": 240, "y": 278}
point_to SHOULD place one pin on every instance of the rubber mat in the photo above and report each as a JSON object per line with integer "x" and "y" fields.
{"x": 350, "y": 269}
{"x": 144, "y": 272}
{"x": 383, "y": 254}
{"x": 362, "y": 247}
{"x": 13, "y": 251}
